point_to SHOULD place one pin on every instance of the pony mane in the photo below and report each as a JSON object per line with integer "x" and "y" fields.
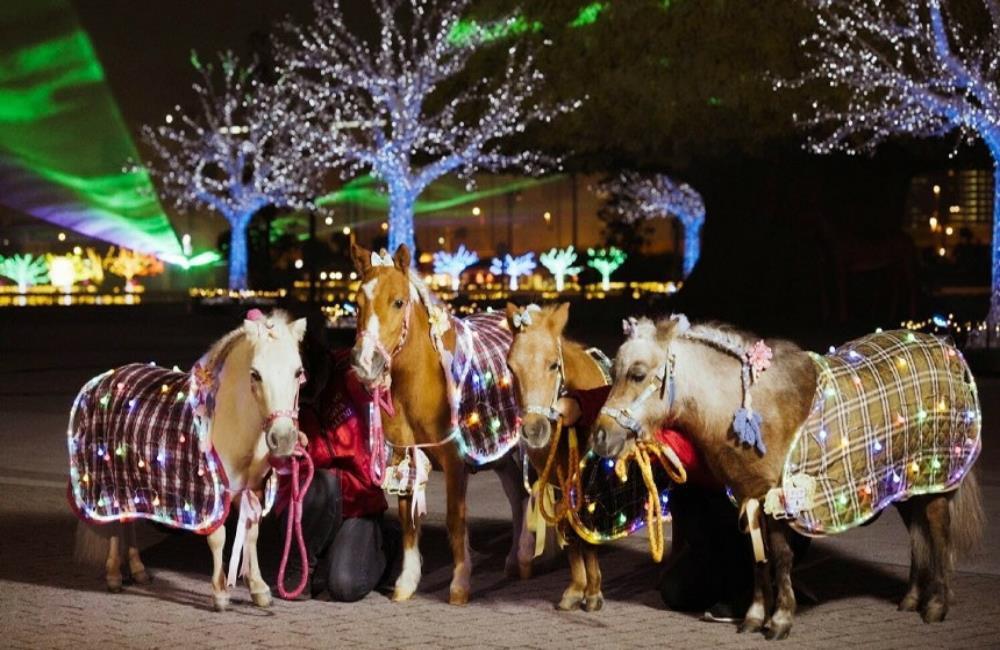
{"x": 722, "y": 337}
{"x": 418, "y": 285}
{"x": 222, "y": 347}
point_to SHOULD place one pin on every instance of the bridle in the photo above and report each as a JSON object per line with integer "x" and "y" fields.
{"x": 292, "y": 413}
{"x": 662, "y": 382}
{"x": 551, "y": 413}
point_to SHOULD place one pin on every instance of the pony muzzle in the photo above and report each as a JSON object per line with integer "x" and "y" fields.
{"x": 608, "y": 437}
{"x": 281, "y": 433}
{"x": 536, "y": 430}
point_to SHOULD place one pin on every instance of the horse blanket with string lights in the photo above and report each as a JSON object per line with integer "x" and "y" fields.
{"x": 895, "y": 414}
{"x": 138, "y": 449}
{"x": 487, "y": 410}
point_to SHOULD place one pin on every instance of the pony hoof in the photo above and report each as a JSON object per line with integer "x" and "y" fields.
{"x": 114, "y": 586}
{"x": 934, "y": 612}
{"x": 142, "y": 577}
{"x": 399, "y": 594}
{"x": 910, "y": 603}
{"x": 777, "y": 632}
{"x": 593, "y": 603}
{"x": 750, "y": 625}
{"x": 261, "y": 598}
{"x": 524, "y": 570}
{"x": 220, "y": 602}
{"x": 458, "y": 596}
{"x": 569, "y": 603}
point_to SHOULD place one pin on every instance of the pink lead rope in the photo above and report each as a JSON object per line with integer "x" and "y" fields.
{"x": 381, "y": 400}
{"x": 295, "y": 524}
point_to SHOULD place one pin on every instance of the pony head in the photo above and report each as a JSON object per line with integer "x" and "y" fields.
{"x": 385, "y": 300}
{"x": 642, "y": 393}
{"x": 535, "y": 358}
{"x": 275, "y": 375}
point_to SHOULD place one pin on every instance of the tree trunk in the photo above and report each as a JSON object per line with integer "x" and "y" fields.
{"x": 401, "y": 203}
{"x": 993, "y": 319}
{"x": 238, "y": 253}
{"x": 692, "y": 245}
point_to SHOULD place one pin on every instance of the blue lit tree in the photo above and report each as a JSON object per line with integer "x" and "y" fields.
{"x": 24, "y": 270}
{"x": 394, "y": 107}
{"x": 639, "y": 198}
{"x": 907, "y": 69}
{"x": 452, "y": 264}
{"x": 513, "y": 267}
{"x": 606, "y": 261}
{"x": 559, "y": 262}
{"x": 246, "y": 146}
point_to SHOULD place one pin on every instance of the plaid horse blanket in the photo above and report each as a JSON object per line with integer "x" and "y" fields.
{"x": 138, "y": 449}
{"x": 487, "y": 410}
{"x": 895, "y": 414}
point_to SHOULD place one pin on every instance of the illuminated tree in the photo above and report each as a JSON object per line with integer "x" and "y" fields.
{"x": 395, "y": 107}
{"x": 606, "y": 261}
{"x": 907, "y": 69}
{"x": 452, "y": 264}
{"x": 130, "y": 264}
{"x": 245, "y": 147}
{"x": 513, "y": 267}
{"x": 640, "y": 198}
{"x": 76, "y": 267}
{"x": 559, "y": 262}
{"x": 24, "y": 270}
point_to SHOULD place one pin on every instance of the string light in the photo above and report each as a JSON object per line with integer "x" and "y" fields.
{"x": 372, "y": 100}
{"x": 559, "y": 262}
{"x": 606, "y": 261}
{"x": 513, "y": 267}
{"x": 452, "y": 264}
{"x": 908, "y": 69}
{"x": 635, "y": 197}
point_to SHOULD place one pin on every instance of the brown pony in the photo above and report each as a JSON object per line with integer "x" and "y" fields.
{"x": 693, "y": 378}
{"x": 545, "y": 364}
{"x": 394, "y": 341}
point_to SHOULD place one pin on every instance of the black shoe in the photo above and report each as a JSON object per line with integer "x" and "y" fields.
{"x": 720, "y": 612}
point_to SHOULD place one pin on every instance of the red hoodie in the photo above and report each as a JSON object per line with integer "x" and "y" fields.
{"x": 337, "y": 428}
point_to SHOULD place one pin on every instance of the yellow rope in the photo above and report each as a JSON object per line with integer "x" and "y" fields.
{"x": 643, "y": 453}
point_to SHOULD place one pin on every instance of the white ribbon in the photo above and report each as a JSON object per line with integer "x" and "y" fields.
{"x": 382, "y": 260}
{"x": 250, "y": 514}
{"x": 523, "y": 318}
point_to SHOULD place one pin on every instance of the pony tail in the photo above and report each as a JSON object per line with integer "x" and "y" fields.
{"x": 91, "y": 547}
{"x": 967, "y": 516}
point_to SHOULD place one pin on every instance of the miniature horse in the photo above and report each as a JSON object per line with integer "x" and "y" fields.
{"x": 395, "y": 344}
{"x": 180, "y": 448}
{"x": 692, "y": 379}
{"x": 545, "y": 364}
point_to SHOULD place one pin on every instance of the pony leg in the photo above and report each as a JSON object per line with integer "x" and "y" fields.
{"x": 780, "y": 623}
{"x": 220, "y": 593}
{"x": 594, "y": 599}
{"x": 916, "y": 524}
{"x": 260, "y": 593}
{"x": 522, "y": 542}
{"x": 135, "y": 566}
{"x": 938, "y": 514}
{"x": 113, "y": 564}
{"x": 753, "y": 621}
{"x": 457, "y": 478}
{"x": 573, "y": 596}
{"x": 409, "y": 577}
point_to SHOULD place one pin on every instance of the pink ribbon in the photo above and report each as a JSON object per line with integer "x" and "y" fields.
{"x": 294, "y": 524}
{"x": 381, "y": 399}
{"x": 250, "y": 514}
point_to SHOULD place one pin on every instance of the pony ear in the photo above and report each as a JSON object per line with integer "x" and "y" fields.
{"x": 511, "y": 311}
{"x": 558, "y": 319}
{"x": 362, "y": 258}
{"x": 402, "y": 257}
{"x": 298, "y": 329}
{"x": 252, "y": 328}
{"x": 670, "y": 328}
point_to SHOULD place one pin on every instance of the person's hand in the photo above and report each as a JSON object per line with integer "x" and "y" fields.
{"x": 303, "y": 439}
{"x": 570, "y": 409}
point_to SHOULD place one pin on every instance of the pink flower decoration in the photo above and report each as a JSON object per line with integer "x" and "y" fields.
{"x": 759, "y": 357}
{"x": 255, "y": 314}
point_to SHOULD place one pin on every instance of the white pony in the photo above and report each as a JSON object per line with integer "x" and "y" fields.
{"x": 181, "y": 448}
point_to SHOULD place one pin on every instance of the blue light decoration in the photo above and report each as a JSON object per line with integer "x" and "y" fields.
{"x": 910, "y": 70}
{"x": 559, "y": 262}
{"x": 513, "y": 267}
{"x": 659, "y": 196}
{"x": 452, "y": 264}
{"x": 374, "y": 114}
{"x": 248, "y": 145}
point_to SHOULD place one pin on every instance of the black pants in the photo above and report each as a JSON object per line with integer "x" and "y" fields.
{"x": 347, "y": 557}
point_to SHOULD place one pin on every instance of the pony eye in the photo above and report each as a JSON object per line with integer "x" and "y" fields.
{"x": 637, "y": 376}
{"x": 299, "y": 373}
{"x": 554, "y": 366}
{"x": 398, "y": 303}
{"x": 254, "y": 374}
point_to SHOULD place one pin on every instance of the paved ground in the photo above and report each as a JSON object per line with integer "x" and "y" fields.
{"x": 46, "y": 601}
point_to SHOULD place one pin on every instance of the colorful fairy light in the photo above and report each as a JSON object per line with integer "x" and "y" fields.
{"x": 560, "y": 263}
{"x": 606, "y": 261}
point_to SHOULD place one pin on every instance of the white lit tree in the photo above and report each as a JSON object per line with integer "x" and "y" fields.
{"x": 606, "y": 261}
{"x": 452, "y": 264}
{"x": 245, "y": 146}
{"x": 559, "y": 262}
{"x": 513, "y": 267}
{"x": 394, "y": 105}
{"x": 910, "y": 69}
{"x": 24, "y": 270}
{"x": 647, "y": 197}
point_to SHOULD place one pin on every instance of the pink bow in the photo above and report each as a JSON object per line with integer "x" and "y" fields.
{"x": 250, "y": 514}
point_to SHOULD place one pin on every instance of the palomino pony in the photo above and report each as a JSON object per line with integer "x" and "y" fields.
{"x": 826, "y": 442}
{"x": 404, "y": 353}
{"x": 546, "y": 365}
{"x": 179, "y": 448}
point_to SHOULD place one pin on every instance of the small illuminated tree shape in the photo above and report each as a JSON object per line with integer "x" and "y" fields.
{"x": 641, "y": 198}
{"x": 606, "y": 261}
{"x": 394, "y": 105}
{"x": 907, "y": 69}
{"x": 24, "y": 270}
{"x": 513, "y": 267}
{"x": 67, "y": 270}
{"x": 452, "y": 264}
{"x": 131, "y": 264}
{"x": 246, "y": 146}
{"x": 559, "y": 262}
